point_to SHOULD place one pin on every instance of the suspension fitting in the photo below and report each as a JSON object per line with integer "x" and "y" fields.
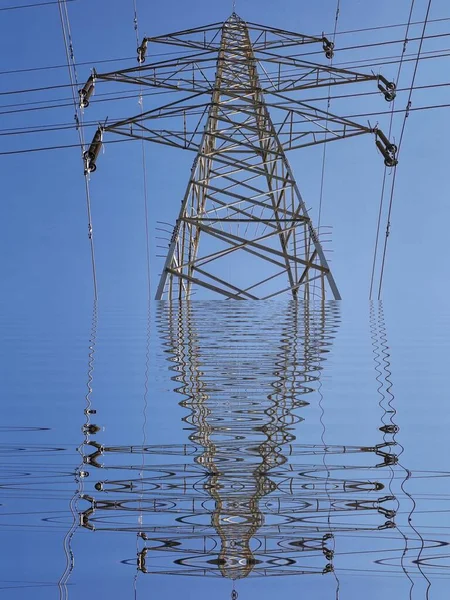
{"x": 91, "y": 155}
{"x": 388, "y": 150}
{"x": 86, "y": 92}
{"x": 90, "y": 429}
{"x": 328, "y": 47}
{"x": 141, "y": 51}
{"x": 387, "y": 88}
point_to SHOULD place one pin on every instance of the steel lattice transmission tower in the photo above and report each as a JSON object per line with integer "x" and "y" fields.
{"x": 243, "y": 230}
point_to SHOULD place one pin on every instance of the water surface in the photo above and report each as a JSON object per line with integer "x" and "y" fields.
{"x": 216, "y": 448}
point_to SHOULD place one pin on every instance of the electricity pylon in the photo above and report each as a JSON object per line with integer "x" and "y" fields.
{"x": 243, "y": 230}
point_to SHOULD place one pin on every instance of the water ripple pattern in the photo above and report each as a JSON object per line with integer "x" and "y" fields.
{"x": 253, "y": 440}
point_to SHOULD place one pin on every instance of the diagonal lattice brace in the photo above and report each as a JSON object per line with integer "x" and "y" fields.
{"x": 243, "y": 230}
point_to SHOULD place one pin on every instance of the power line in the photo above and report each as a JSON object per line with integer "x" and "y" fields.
{"x": 144, "y": 168}
{"x": 400, "y": 110}
{"x": 132, "y": 58}
{"x": 64, "y": 126}
{"x": 39, "y": 89}
{"x": 318, "y": 52}
{"x": 376, "y": 44}
{"x": 42, "y": 128}
{"x": 445, "y": 53}
{"x": 32, "y": 5}
{"x": 383, "y": 186}
{"x": 406, "y": 115}
{"x": 89, "y": 62}
{"x": 324, "y": 151}
{"x": 71, "y": 65}
{"x": 122, "y": 95}
{"x": 60, "y": 147}
{"x": 72, "y": 85}
{"x": 112, "y": 96}
{"x": 382, "y": 27}
{"x": 392, "y": 60}
{"x": 64, "y": 146}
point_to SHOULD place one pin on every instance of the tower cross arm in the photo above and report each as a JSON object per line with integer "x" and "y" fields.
{"x": 188, "y": 73}
{"x": 310, "y": 75}
{"x": 272, "y": 37}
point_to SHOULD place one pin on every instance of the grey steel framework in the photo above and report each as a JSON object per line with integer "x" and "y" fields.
{"x": 243, "y": 229}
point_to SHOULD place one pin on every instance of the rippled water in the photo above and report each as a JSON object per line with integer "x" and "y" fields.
{"x": 222, "y": 449}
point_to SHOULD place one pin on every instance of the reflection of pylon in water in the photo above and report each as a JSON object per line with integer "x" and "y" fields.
{"x": 243, "y": 437}
{"x": 242, "y": 498}
{"x": 243, "y": 230}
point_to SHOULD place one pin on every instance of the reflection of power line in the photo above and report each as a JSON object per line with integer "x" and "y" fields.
{"x": 390, "y": 430}
{"x": 144, "y": 432}
{"x": 242, "y": 497}
{"x": 324, "y": 462}
{"x": 81, "y": 473}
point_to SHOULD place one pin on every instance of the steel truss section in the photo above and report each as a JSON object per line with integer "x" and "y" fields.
{"x": 243, "y": 230}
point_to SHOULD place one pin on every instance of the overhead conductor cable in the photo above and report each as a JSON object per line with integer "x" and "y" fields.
{"x": 406, "y": 115}
{"x": 71, "y": 65}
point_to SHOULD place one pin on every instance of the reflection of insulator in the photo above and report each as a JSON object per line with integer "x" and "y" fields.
{"x": 389, "y": 460}
{"x": 389, "y": 514}
{"x": 387, "y": 525}
{"x": 390, "y": 429}
{"x": 141, "y": 560}
{"x": 90, "y": 428}
{"x": 386, "y": 499}
{"x": 387, "y": 88}
{"x": 86, "y": 92}
{"x": 91, "y": 459}
{"x": 84, "y": 519}
{"x": 141, "y": 51}
{"x": 91, "y": 155}
{"x": 329, "y": 554}
{"x": 86, "y": 514}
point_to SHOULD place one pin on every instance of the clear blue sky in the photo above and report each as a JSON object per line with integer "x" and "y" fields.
{"x": 44, "y": 243}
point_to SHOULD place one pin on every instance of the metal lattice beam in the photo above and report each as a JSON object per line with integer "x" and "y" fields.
{"x": 242, "y": 214}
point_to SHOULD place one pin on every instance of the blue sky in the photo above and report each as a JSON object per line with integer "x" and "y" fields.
{"x": 44, "y": 241}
